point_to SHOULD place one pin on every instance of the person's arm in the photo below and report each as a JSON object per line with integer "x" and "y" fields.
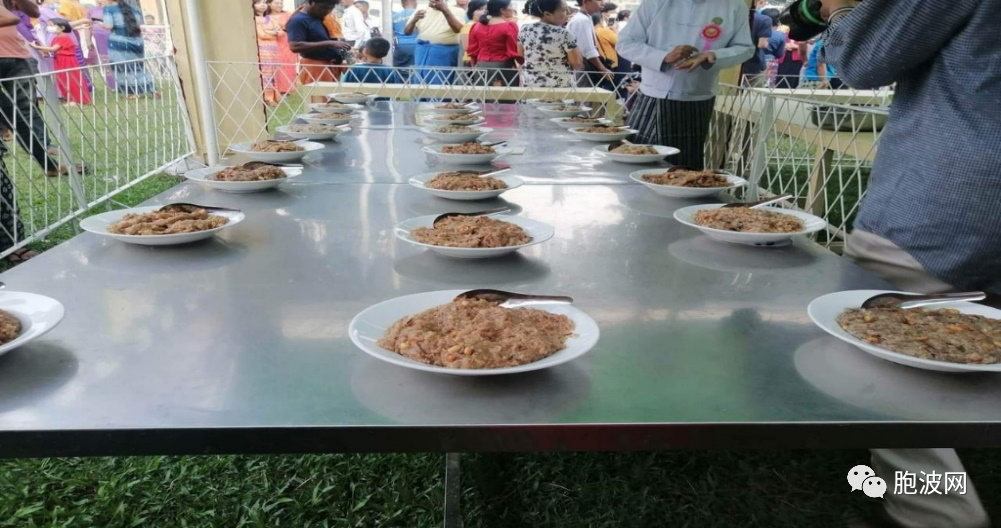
{"x": 27, "y": 7}
{"x": 575, "y": 58}
{"x": 7, "y": 18}
{"x": 473, "y": 43}
{"x": 109, "y": 20}
{"x": 513, "y": 49}
{"x": 822, "y": 74}
{"x": 263, "y": 33}
{"x": 856, "y": 43}
{"x": 634, "y": 39}
{"x": 453, "y": 22}
{"x": 297, "y": 42}
{"x": 412, "y": 23}
{"x": 804, "y": 50}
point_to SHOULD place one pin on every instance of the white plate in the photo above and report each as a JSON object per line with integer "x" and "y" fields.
{"x": 811, "y": 223}
{"x": 824, "y": 312}
{"x": 309, "y": 118}
{"x": 453, "y": 137}
{"x": 662, "y": 152}
{"x": 552, "y": 112}
{"x": 350, "y": 98}
{"x": 464, "y": 159}
{"x": 98, "y": 224}
{"x": 467, "y": 109}
{"x": 513, "y": 182}
{"x": 603, "y": 138}
{"x": 317, "y": 136}
{"x": 372, "y": 323}
{"x": 441, "y": 122}
{"x": 538, "y": 231}
{"x": 321, "y": 108}
{"x": 277, "y": 157}
{"x": 537, "y": 102}
{"x": 677, "y": 191}
{"x": 206, "y": 176}
{"x": 38, "y": 314}
{"x": 563, "y": 122}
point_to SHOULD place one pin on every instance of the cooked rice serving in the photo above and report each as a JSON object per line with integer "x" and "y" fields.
{"x": 472, "y": 232}
{"x": 687, "y": 178}
{"x": 167, "y": 223}
{"x": 747, "y": 220}
{"x": 312, "y": 129}
{"x": 241, "y": 174}
{"x": 941, "y": 335}
{"x": 462, "y": 118}
{"x": 635, "y": 150}
{"x": 454, "y": 129}
{"x": 10, "y": 327}
{"x": 346, "y": 114}
{"x": 275, "y": 146}
{"x": 600, "y": 129}
{"x": 566, "y": 108}
{"x": 470, "y": 147}
{"x": 476, "y": 334}
{"x": 452, "y": 106}
{"x": 582, "y": 120}
{"x": 464, "y": 181}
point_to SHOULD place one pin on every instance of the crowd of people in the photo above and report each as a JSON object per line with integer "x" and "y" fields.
{"x": 781, "y": 62}
{"x": 467, "y": 42}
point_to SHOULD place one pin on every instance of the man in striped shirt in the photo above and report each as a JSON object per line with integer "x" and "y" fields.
{"x": 931, "y": 219}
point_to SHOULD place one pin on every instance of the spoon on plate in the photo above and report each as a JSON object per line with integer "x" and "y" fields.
{"x": 620, "y": 143}
{"x": 185, "y": 207}
{"x": 499, "y": 210}
{"x": 508, "y": 299}
{"x": 759, "y": 204}
{"x": 914, "y": 300}
{"x": 251, "y": 165}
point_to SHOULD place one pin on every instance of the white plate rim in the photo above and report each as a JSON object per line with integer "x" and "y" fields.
{"x": 636, "y": 176}
{"x": 35, "y": 331}
{"x": 404, "y": 235}
{"x": 233, "y": 217}
{"x": 513, "y": 182}
{"x": 589, "y": 336}
{"x": 840, "y": 299}
{"x": 307, "y": 145}
{"x": 806, "y": 217}
{"x": 195, "y": 176}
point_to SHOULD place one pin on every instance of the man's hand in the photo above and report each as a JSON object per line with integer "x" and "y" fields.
{"x": 680, "y": 53}
{"x": 828, "y": 6}
{"x": 437, "y": 5}
{"x": 699, "y": 59}
{"x": 339, "y": 44}
{"x": 420, "y": 14}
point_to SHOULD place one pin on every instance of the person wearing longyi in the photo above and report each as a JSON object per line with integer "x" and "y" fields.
{"x": 682, "y": 45}
{"x": 310, "y": 38}
{"x": 437, "y": 39}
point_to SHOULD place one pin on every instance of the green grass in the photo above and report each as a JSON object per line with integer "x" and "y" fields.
{"x": 676, "y": 488}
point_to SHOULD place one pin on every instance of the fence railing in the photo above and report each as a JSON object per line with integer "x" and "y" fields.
{"x": 251, "y": 100}
{"x": 80, "y": 136}
{"x": 817, "y": 144}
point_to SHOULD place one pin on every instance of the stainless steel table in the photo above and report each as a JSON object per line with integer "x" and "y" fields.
{"x": 239, "y": 345}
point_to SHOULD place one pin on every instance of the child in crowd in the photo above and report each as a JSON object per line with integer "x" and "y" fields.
{"x": 371, "y": 69}
{"x": 69, "y": 78}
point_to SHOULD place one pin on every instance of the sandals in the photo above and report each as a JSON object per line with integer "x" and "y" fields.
{"x": 21, "y": 255}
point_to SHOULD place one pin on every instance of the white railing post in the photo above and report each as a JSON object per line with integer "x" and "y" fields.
{"x": 759, "y": 155}
{"x": 203, "y": 86}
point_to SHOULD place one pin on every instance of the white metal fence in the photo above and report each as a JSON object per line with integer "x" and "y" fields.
{"x": 66, "y": 158}
{"x": 251, "y": 100}
{"x": 817, "y": 144}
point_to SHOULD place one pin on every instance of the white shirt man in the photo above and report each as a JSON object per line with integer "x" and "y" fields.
{"x": 355, "y": 28}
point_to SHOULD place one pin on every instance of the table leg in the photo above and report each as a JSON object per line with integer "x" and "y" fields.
{"x": 453, "y": 490}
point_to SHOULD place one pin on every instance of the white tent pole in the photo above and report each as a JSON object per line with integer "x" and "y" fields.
{"x": 387, "y": 24}
{"x": 197, "y": 59}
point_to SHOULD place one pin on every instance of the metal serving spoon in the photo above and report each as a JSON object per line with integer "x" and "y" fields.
{"x": 914, "y": 300}
{"x": 756, "y": 205}
{"x": 185, "y": 207}
{"x": 441, "y": 217}
{"x": 513, "y": 300}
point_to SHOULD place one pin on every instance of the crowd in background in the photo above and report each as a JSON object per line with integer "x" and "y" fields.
{"x": 780, "y": 62}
